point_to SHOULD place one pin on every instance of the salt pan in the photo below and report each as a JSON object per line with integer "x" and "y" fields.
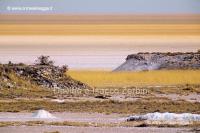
{"x": 184, "y": 117}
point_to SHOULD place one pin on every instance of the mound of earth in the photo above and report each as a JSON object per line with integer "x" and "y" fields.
{"x": 43, "y": 114}
{"x": 158, "y": 61}
{"x": 47, "y": 76}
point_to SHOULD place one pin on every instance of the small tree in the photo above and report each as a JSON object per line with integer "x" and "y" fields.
{"x": 44, "y": 60}
{"x": 10, "y": 63}
{"x": 64, "y": 69}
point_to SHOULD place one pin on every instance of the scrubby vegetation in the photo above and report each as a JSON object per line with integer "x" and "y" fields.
{"x": 44, "y": 60}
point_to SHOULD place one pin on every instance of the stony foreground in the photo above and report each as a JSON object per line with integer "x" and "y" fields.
{"x": 45, "y": 76}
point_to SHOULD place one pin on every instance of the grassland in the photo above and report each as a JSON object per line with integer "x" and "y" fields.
{"x": 145, "y": 78}
{"x": 107, "y": 106}
{"x": 99, "y": 79}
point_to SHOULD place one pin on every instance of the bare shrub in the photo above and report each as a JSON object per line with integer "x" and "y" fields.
{"x": 44, "y": 60}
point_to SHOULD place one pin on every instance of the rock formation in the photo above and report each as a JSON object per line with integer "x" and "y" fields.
{"x": 157, "y": 61}
{"x": 47, "y": 76}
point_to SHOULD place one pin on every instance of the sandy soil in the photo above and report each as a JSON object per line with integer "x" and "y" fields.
{"x": 77, "y": 117}
{"x": 193, "y": 97}
{"x": 175, "y": 97}
{"x": 65, "y": 116}
{"x": 61, "y": 129}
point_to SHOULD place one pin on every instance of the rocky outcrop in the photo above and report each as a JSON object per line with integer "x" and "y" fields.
{"x": 158, "y": 61}
{"x": 47, "y": 76}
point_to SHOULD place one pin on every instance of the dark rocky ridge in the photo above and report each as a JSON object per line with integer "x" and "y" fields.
{"x": 41, "y": 75}
{"x": 158, "y": 61}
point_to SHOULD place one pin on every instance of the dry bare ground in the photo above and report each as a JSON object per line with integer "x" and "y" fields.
{"x": 71, "y": 129}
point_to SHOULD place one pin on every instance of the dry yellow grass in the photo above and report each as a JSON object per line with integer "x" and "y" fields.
{"x": 100, "y": 29}
{"x": 123, "y": 79}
